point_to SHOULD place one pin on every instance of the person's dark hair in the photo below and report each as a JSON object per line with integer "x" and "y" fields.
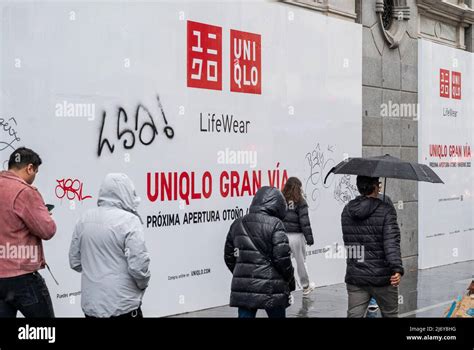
{"x": 22, "y": 157}
{"x": 292, "y": 190}
{"x": 366, "y": 185}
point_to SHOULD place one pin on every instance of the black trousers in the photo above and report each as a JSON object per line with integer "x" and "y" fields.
{"x": 27, "y": 294}
{"x": 132, "y": 314}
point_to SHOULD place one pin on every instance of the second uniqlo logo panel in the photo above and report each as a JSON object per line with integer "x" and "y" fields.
{"x": 245, "y": 62}
{"x": 204, "y": 56}
{"x": 456, "y": 85}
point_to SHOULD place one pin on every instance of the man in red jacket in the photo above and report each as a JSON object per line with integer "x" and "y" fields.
{"x": 25, "y": 222}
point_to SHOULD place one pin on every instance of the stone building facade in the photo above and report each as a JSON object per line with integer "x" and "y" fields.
{"x": 391, "y": 30}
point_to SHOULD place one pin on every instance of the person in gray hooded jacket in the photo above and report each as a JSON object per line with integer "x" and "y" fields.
{"x": 108, "y": 248}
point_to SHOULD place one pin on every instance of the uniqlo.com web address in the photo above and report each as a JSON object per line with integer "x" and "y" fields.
{"x": 431, "y": 338}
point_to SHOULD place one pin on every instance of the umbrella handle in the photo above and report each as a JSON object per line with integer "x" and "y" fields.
{"x": 329, "y": 173}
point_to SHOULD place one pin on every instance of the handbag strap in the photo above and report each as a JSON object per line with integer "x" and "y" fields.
{"x": 260, "y": 250}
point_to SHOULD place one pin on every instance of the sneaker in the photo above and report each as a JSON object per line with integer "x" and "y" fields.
{"x": 309, "y": 289}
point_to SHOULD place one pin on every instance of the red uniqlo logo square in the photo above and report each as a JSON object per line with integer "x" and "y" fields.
{"x": 456, "y": 85}
{"x": 444, "y": 83}
{"x": 245, "y": 62}
{"x": 204, "y": 56}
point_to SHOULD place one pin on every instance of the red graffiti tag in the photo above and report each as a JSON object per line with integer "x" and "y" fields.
{"x": 71, "y": 189}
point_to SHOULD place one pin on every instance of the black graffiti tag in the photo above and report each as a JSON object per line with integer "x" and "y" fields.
{"x": 344, "y": 190}
{"x": 319, "y": 161}
{"x": 129, "y": 135}
{"x": 8, "y": 127}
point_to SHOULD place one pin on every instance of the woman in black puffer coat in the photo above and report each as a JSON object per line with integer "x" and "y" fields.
{"x": 298, "y": 229}
{"x": 258, "y": 255}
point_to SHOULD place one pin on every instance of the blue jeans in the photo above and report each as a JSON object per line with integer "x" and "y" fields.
{"x": 372, "y": 309}
{"x": 27, "y": 294}
{"x": 272, "y": 313}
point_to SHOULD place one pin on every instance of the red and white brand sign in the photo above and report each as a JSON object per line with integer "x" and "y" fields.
{"x": 449, "y": 84}
{"x": 456, "y": 85}
{"x": 204, "y": 56}
{"x": 204, "y": 60}
{"x": 444, "y": 87}
{"x": 245, "y": 62}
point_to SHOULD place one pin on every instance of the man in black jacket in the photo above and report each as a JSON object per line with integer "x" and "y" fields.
{"x": 258, "y": 255}
{"x": 369, "y": 225}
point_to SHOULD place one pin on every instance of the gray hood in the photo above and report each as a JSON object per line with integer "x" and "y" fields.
{"x": 117, "y": 190}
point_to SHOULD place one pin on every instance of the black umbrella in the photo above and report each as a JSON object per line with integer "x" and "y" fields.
{"x": 385, "y": 166}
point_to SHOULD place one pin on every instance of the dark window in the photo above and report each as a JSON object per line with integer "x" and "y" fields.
{"x": 387, "y": 16}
